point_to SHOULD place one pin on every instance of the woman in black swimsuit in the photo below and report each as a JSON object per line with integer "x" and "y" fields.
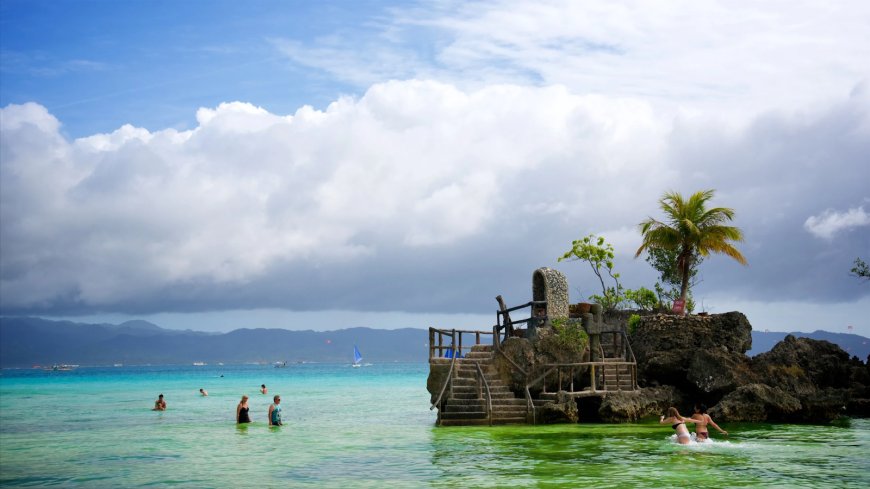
{"x": 242, "y": 411}
{"x": 678, "y": 423}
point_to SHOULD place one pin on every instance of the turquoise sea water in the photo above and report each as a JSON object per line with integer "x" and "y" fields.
{"x": 366, "y": 427}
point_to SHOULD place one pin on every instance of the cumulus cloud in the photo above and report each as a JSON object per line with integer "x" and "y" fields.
{"x": 417, "y": 196}
{"x": 830, "y": 222}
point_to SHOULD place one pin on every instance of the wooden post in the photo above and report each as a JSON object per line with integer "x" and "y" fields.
{"x": 593, "y": 378}
{"x": 431, "y": 341}
{"x": 440, "y": 344}
{"x": 460, "y": 345}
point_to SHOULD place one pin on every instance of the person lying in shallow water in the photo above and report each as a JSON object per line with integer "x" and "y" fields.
{"x": 678, "y": 423}
{"x": 702, "y": 419}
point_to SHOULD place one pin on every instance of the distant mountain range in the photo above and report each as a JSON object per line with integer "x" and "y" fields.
{"x": 30, "y": 341}
{"x": 33, "y": 341}
{"x": 855, "y": 345}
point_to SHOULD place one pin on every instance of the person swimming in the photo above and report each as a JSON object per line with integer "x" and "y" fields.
{"x": 203, "y": 392}
{"x": 702, "y": 419}
{"x": 263, "y": 389}
{"x": 678, "y": 423}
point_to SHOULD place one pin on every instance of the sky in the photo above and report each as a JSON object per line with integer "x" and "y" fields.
{"x": 213, "y": 165}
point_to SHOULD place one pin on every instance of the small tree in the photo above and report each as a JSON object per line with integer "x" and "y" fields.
{"x": 598, "y": 253}
{"x": 691, "y": 230}
{"x": 860, "y": 269}
{"x": 665, "y": 262}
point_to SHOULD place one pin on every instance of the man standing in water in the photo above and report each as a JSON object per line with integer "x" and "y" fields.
{"x": 275, "y": 412}
{"x": 159, "y": 404}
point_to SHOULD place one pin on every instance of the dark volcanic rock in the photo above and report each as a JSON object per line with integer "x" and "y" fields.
{"x": 630, "y": 406}
{"x": 563, "y": 410}
{"x": 818, "y": 362}
{"x": 696, "y": 354}
{"x": 816, "y": 372}
{"x": 798, "y": 380}
{"x": 518, "y": 352}
{"x": 437, "y": 376}
{"x": 717, "y": 372}
{"x": 756, "y": 402}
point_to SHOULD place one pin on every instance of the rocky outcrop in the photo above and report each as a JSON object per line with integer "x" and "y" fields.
{"x": 620, "y": 407}
{"x": 563, "y": 410}
{"x": 518, "y": 353}
{"x": 438, "y": 373}
{"x": 703, "y": 356}
{"x": 756, "y": 402}
{"x": 819, "y": 374}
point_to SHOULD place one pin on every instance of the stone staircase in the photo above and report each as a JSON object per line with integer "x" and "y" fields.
{"x": 466, "y": 404}
{"x": 616, "y": 377}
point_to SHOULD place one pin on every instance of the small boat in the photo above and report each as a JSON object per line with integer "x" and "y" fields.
{"x": 280, "y": 364}
{"x": 357, "y": 357}
{"x": 199, "y": 364}
{"x": 61, "y": 368}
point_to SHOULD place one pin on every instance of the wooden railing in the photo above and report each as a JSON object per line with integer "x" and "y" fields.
{"x": 447, "y": 381}
{"x": 566, "y": 372}
{"x": 482, "y": 378}
{"x": 504, "y": 323}
{"x": 440, "y": 347}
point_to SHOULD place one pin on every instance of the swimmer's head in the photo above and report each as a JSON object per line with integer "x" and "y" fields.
{"x": 701, "y": 408}
{"x": 672, "y": 412}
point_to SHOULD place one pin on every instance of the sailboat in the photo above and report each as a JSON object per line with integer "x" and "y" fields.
{"x": 357, "y": 357}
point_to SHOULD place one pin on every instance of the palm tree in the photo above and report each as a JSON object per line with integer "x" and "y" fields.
{"x": 691, "y": 230}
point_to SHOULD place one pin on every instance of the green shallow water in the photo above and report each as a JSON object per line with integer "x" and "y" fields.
{"x": 368, "y": 427}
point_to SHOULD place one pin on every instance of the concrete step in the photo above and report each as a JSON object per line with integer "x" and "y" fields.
{"x": 473, "y": 395}
{"x": 463, "y": 415}
{"x": 483, "y": 355}
{"x": 473, "y": 387}
{"x": 510, "y": 420}
{"x": 464, "y": 422}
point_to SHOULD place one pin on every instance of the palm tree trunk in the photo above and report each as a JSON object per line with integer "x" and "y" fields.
{"x": 686, "y": 266}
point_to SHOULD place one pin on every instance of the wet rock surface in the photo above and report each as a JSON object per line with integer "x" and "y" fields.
{"x": 703, "y": 358}
{"x": 562, "y": 410}
{"x": 620, "y": 407}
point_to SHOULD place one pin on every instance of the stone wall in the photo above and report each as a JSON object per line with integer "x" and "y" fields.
{"x": 550, "y": 285}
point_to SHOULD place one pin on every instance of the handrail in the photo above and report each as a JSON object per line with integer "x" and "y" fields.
{"x": 530, "y": 407}
{"x": 527, "y": 304}
{"x": 509, "y": 323}
{"x": 632, "y": 359}
{"x": 446, "y": 381}
{"x": 550, "y": 367}
{"x": 488, "y": 394}
{"x": 499, "y": 350}
{"x": 455, "y": 346}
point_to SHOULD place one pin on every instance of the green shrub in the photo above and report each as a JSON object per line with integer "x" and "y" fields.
{"x": 643, "y": 298}
{"x": 570, "y": 335}
{"x": 633, "y": 321}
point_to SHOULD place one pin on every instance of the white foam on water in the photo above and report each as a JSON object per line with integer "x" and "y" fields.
{"x": 701, "y": 444}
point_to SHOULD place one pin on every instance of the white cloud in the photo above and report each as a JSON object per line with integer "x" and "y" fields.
{"x": 830, "y": 222}
{"x": 416, "y": 196}
{"x": 725, "y": 56}
{"x": 410, "y": 164}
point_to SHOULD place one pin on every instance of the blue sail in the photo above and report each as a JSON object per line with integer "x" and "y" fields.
{"x": 357, "y": 357}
